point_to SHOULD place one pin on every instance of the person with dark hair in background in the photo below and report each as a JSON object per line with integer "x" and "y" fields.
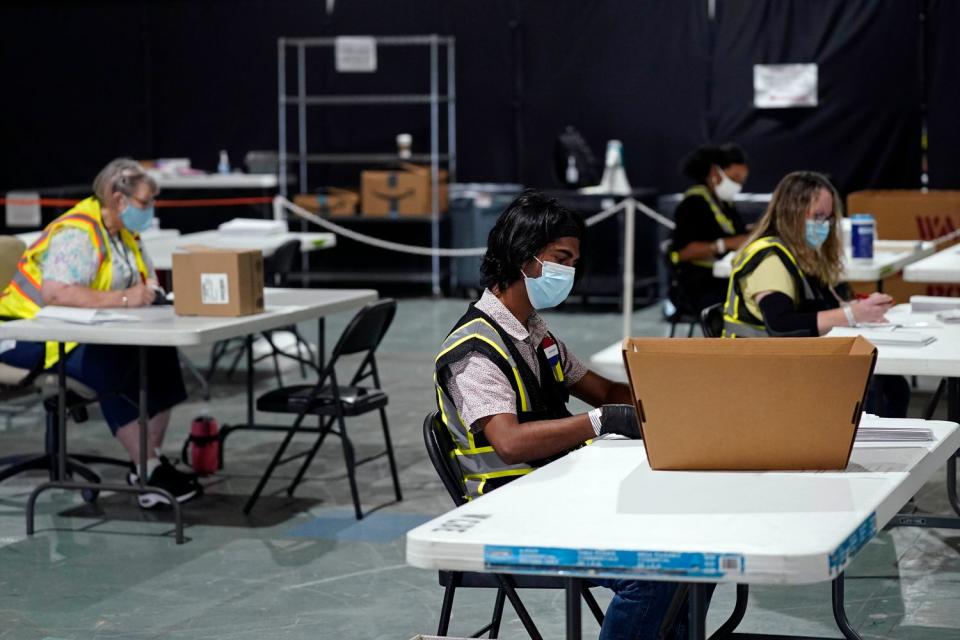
{"x": 708, "y": 225}
{"x": 503, "y": 381}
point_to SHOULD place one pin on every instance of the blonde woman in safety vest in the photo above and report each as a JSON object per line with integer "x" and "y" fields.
{"x": 708, "y": 225}
{"x": 92, "y": 256}
{"x": 786, "y": 279}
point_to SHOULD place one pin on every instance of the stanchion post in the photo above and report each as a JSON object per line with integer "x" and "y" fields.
{"x": 629, "y": 224}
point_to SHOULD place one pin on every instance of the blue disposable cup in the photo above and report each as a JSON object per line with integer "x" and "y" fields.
{"x": 862, "y": 231}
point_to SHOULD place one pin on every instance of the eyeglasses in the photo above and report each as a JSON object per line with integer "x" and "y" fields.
{"x": 142, "y": 204}
{"x": 824, "y": 217}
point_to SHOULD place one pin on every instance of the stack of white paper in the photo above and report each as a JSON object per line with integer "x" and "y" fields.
{"x": 892, "y": 336}
{"x": 79, "y": 315}
{"x": 933, "y": 303}
{"x": 895, "y": 434}
{"x": 254, "y": 226}
{"x": 951, "y": 316}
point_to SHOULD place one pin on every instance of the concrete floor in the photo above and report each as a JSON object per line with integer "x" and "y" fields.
{"x": 303, "y": 568}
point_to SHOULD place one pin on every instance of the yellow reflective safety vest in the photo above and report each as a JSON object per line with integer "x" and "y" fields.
{"x": 476, "y": 333}
{"x": 22, "y": 299}
{"x": 722, "y": 219}
{"x": 738, "y": 322}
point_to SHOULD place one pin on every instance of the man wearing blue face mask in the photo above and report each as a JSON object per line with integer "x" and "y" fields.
{"x": 503, "y": 381}
{"x": 92, "y": 256}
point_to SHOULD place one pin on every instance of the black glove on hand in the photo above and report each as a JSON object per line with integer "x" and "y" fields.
{"x": 620, "y": 419}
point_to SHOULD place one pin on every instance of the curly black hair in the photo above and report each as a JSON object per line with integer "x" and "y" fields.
{"x": 523, "y": 230}
{"x": 696, "y": 165}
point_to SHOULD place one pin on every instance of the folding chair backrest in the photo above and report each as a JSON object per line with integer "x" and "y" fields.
{"x": 11, "y": 248}
{"x": 711, "y": 320}
{"x": 278, "y": 265}
{"x": 367, "y": 328}
{"x": 440, "y": 450}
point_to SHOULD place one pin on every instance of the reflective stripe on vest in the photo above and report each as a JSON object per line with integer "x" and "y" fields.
{"x": 23, "y": 299}
{"x": 738, "y": 322}
{"x": 479, "y": 463}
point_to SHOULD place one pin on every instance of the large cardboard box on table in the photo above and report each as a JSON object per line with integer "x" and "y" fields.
{"x": 909, "y": 215}
{"x": 750, "y": 404}
{"x": 406, "y": 191}
{"x": 217, "y": 282}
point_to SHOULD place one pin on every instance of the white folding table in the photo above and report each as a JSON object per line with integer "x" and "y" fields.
{"x": 215, "y": 180}
{"x": 159, "y": 327}
{"x": 162, "y": 248}
{"x": 940, "y": 267}
{"x": 162, "y": 243}
{"x": 890, "y": 257}
{"x": 601, "y": 511}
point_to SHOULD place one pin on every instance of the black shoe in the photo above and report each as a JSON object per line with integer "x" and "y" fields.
{"x": 183, "y": 486}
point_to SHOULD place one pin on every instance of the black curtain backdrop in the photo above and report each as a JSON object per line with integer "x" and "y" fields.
{"x": 84, "y": 82}
{"x": 942, "y": 72}
{"x": 865, "y": 131}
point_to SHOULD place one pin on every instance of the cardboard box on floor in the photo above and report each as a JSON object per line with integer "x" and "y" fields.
{"x": 403, "y": 192}
{"x": 334, "y": 203}
{"x": 909, "y": 215}
{"x": 749, "y": 404}
{"x": 217, "y": 282}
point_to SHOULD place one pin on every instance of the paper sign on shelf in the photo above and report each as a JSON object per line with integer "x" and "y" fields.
{"x": 23, "y": 209}
{"x": 356, "y": 54}
{"x": 784, "y": 86}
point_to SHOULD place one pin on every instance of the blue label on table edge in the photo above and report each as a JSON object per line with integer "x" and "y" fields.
{"x": 536, "y": 559}
{"x": 854, "y": 542}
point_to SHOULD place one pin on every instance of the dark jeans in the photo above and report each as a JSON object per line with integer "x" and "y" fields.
{"x": 888, "y": 396}
{"x": 638, "y": 607}
{"x": 113, "y": 372}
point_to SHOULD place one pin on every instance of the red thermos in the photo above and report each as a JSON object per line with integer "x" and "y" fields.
{"x": 205, "y": 449}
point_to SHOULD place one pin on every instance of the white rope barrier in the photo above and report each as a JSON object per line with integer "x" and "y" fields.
{"x": 280, "y": 203}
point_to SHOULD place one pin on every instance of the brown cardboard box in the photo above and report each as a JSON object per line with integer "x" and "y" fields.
{"x": 749, "y": 404}
{"x": 335, "y": 202}
{"x": 217, "y": 282}
{"x": 909, "y": 215}
{"x": 403, "y": 192}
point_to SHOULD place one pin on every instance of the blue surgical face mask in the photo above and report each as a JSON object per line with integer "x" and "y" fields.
{"x": 817, "y": 232}
{"x": 552, "y": 287}
{"x": 136, "y": 219}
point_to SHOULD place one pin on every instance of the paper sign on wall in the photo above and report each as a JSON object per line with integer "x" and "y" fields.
{"x": 784, "y": 86}
{"x": 356, "y": 54}
{"x": 23, "y": 209}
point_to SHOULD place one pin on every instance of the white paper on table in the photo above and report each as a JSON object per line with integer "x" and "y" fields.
{"x": 254, "y": 226}
{"x": 885, "y": 336}
{"x": 80, "y": 315}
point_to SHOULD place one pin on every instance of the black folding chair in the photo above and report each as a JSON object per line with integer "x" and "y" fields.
{"x": 331, "y": 403}
{"x": 440, "y": 450}
{"x": 711, "y": 320}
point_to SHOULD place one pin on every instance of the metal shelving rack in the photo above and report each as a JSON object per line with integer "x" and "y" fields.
{"x": 303, "y": 158}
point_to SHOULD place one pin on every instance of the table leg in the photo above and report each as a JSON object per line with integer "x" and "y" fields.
{"x": 839, "y": 614}
{"x": 60, "y": 482}
{"x": 249, "y": 348}
{"x": 144, "y": 420}
{"x": 321, "y": 342}
{"x": 953, "y": 414}
{"x": 697, "y": 614}
{"x": 573, "y": 609}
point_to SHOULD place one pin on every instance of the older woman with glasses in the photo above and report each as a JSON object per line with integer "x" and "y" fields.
{"x": 92, "y": 256}
{"x": 786, "y": 278}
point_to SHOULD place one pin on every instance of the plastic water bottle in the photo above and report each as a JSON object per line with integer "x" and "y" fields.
{"x": 223, "y": 166}
{"x": 573, "y": 174}
{"x": 863, "y": 229}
